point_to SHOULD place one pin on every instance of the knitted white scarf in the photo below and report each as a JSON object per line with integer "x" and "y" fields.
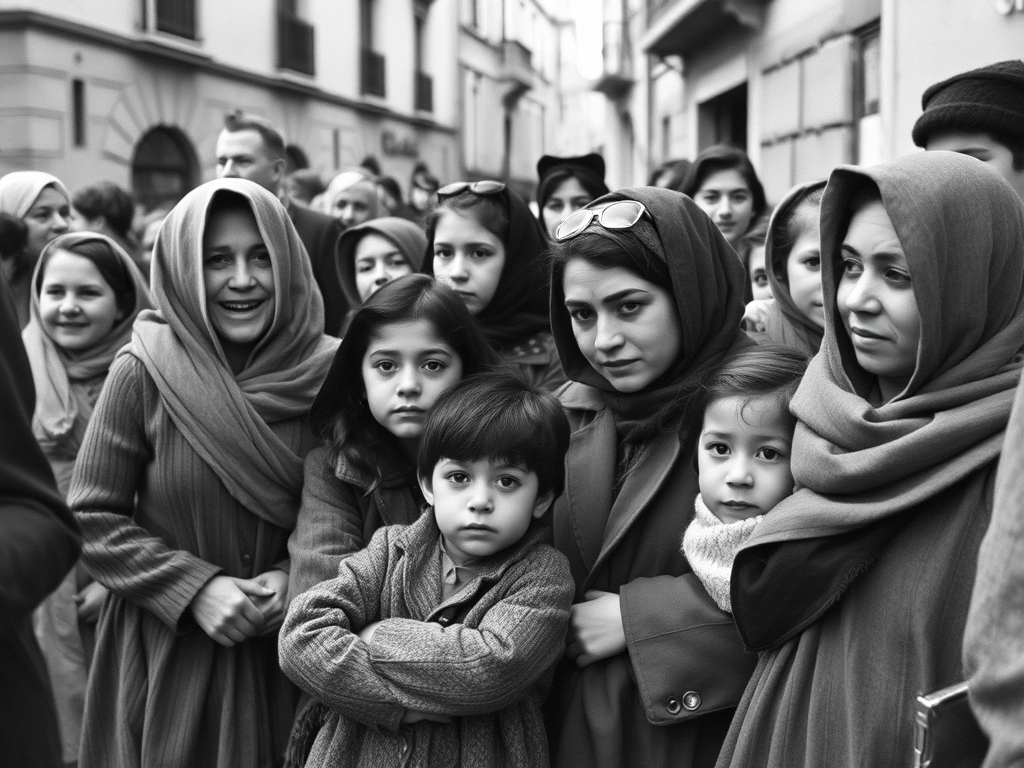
{"x": 710, "y": 546}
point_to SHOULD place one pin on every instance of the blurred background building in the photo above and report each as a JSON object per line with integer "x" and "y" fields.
{"x": 135, "y": 91}
{"x": 802, "y": 85}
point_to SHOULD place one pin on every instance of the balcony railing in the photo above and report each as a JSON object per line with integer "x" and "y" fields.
{"x": 176, "y": 17}
{"x": 424, "y": 92}
{"x": 372, "y": 72}
{"x": 294, "y": 44}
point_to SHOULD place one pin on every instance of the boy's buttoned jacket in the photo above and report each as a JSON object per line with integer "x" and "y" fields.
{"x": 482, "y": 657}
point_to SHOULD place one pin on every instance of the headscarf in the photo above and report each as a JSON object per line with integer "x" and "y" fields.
{"x": 19, "y": 190}
{"x": 861, "y": 465}
{"x": 519, "y": 308}
{"x": 223, "y": 416}
{"x": 60, "y": 416}
{"x": 346, "y": 180}
{"x": 707, "y": 282}
{"x": 407, "y": 237}
{"x": 786, "y": 324}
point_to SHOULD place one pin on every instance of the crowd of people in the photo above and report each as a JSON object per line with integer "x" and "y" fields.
{"x": 655, "y": 476}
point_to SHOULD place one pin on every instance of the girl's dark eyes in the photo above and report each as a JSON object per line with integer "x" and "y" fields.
{"x": 770, "y": 454}
{"x": 760, "y": 280}
{"x": 442, "y": 253}
{"x": 581, "y": 315}
{"x": 507, "y": 481}
{"x": 813, "y": 262}
{"x": 897, "y": 276}
{"x": 629, "y": 307}
{"x": 261, "y": 256}
{"x": 397, "y": 261}
{"x": 852, "y": 267}
{"x": 718, "y": 449}
{"x": 385, "y": 366}
{"x": 458, "y": 477}
{"x": 434, "y": 366}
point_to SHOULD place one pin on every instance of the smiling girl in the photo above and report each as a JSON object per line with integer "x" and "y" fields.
{"x": 87, "y": 295}
{"x": 646, "y": 300}
{"x": 42, "y": 203}
{"x": 485, "y": 243}
{"x": 409, "y": 343}
{"x": 188, "y": 485}
{"x": 900, "y": 423}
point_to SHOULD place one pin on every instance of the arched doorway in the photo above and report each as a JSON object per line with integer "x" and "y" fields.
{"x": 164, "y": 167}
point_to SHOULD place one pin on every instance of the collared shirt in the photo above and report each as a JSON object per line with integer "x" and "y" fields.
{"x": 453, "y": 576}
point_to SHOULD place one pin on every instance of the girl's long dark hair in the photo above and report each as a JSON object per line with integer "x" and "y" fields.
{"x": 345, "y": 423}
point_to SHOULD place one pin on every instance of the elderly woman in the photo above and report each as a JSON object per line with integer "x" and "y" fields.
{"x": 188, "y": 484}
{"x": 856, "y": 588}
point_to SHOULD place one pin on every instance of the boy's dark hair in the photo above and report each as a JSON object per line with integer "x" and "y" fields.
{"x": 108, "y": 200}
{"x": 498, "y": 416}
{"x": 272, "y": 139}
{"x": 768, "y": 371}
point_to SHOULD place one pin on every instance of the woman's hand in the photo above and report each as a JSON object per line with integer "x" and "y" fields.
{"x": 595, "y": 629}
{"x": 755, "y": 318}
{"x": 89, "y": 602}
{"x": 224, "y": 609}
{"x": 275, "y": 606}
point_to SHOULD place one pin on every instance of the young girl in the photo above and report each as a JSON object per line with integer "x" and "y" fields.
{"x": 757, "y": 262}
{"x": 646, "y": 299}
{"x": 743, "y": 457}
{"x": 793, "y": 262}
{"x": 856, "y": 588}
{"x": 565, "y": 185}
{"x": 485, "y": 243}
{"x": 410, "y": 342}
{"x": 87, "y": 293}
{"x": 188, "y": 485}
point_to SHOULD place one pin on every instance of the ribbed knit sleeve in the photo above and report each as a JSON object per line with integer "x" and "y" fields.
{"x": 120, "y": 554}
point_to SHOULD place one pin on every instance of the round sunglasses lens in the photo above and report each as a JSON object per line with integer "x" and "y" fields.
{"x": 452, "y": 189}
{"x": 487, "y": 187}
{"x": 573, "y": 224}
{"x": 622, "y": 215}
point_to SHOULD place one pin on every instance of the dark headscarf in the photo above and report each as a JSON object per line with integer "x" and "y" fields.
{"x": 519, "y": 307}
{"x": 407, "y": 237}
{"x": 863, "y": 465}
{"x": 552, "y": 171}
{"x": 707, "y": 283}
{"x": 786, "y": 324}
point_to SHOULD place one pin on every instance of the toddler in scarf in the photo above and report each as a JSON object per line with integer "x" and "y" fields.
{"x": 743, "y": 457}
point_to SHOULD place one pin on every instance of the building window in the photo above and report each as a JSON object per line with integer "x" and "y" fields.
{"x": 294, "y": 39}
{"x": 174, "y": 17}
{"x": 372, "y": 63}
{"x": 164, "y": 167}
{"x": 867, "y": 96}
{"x": 723, "y": 119}
{"x": 424, "y": 82}
{"x": 78, "y": 112}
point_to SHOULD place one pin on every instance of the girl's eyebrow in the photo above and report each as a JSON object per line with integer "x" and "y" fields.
{"x": 612, "y": 298}
{"x": 427, "y": 351}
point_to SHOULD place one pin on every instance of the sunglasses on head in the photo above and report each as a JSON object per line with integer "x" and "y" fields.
{"x": 622, "y": 214}
{"x": 485, "y": 187}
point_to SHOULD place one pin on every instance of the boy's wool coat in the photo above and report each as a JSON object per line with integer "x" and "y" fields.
{"x": 488, "y": 667}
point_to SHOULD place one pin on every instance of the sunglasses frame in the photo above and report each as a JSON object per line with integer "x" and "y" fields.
{"x": 457, "y": 187}
{"x": 599, "y": 214}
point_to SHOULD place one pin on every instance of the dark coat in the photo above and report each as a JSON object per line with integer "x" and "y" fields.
{"x": 685, "y": 668}
{"x": 338, "y": 517}
{"x": 39, "y": 543}
{"x": 482, "y": 657}
{"x": 319, "y": 233}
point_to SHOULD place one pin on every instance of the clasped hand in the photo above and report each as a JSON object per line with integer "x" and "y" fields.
{"x": 595, "y": 628}
{"x": 231, "y": 610}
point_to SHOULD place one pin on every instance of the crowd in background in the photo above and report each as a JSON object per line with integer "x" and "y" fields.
{"x": 671, "y": 475}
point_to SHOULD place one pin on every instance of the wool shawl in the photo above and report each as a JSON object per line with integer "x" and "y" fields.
{"x": 710, "y": 545}
{"x": 19, "y": 190}
{"x": 518, "y": 309}
{"x": 860, "y": 464}
{"x": 707, "y": 284}
{"x": 60, "y": 417}
{"x": 408, "y": 237}
{"x": 786, "y": 324}
{"x": 224, "y": 416}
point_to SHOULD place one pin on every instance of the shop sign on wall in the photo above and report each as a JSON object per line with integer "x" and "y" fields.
{"x": 393, "y": 144}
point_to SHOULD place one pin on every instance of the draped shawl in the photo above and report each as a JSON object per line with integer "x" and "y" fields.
{"x": 518, "y": 309}
{"x": 224, "y": 417}
{"x": 786, "y": 324}
{"x": 860, "y": 465}
{"x": 347, "y": 180}
{"x": 408, "y": 237}
{"x": 61, "y": 417}
{"x": 707, "y": 284}
{"x": 18, "y": 190}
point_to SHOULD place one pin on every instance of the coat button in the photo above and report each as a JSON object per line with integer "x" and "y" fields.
{"x": 246, "y": 561}
{"x": 673, "y": 705}
{"x": 443, "y": 619}
{"x": 691, "y": 700}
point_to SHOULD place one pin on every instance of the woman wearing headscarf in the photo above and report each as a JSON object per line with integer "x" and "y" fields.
{"x": 565, "y": 185}
{"x": 87, "y": 294}
{"x": 188, "y": 484}
{"x": 351, "y": 198}
{"x": 855, "y": 589}
{"x": 373, "y": 254}
{"x": 43, "y": 204}
{"x": 486, "y": 244}
{"x": 646, "y": 299}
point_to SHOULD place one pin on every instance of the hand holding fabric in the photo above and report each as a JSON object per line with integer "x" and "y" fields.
{"x": 223, "y": 609}
{"x": 595, "y": 628}
{"x": 274, "y": 606}
{"x": 89, "y": 602}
